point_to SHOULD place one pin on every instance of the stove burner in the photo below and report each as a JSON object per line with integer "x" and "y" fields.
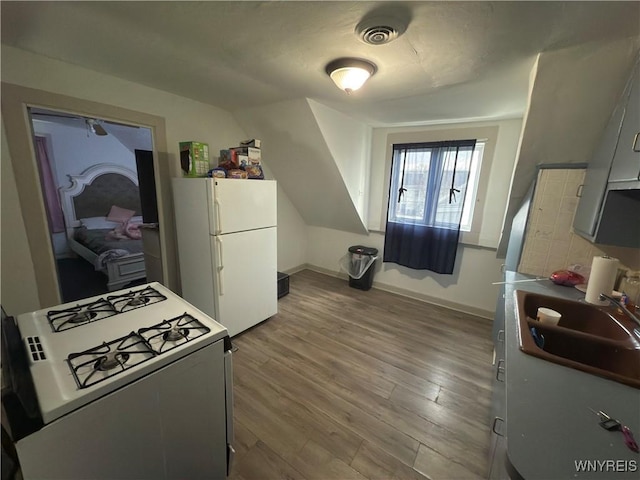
{"x": 136, "y": 302}
{"x": 172, "y": 333}
{"x": 111, "y": 360}
{"x": 81, "y": 314}
{"x": 175, "y": 334}
{"x": 82, "y": 317}
{"x": 135, "y": 299}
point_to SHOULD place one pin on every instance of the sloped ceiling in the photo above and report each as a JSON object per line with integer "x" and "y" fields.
{"x": 296, "y": 153}
{"x": 457, "y": 61}
{"x": 574, "y": 92}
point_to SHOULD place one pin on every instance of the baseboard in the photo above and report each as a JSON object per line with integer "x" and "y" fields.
{"x": 299, "y": 268}
{"x": 459, "y": 307}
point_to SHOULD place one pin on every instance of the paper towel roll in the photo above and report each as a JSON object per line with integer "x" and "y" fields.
{"x": 602, "y": 279}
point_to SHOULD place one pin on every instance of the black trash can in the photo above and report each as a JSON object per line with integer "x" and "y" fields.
{"x": 362, "y": 262}
{"x": 283, "y": 284}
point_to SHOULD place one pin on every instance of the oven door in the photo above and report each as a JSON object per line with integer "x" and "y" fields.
{"x": 19, "y": 400}
{"x": 168, "y": 425}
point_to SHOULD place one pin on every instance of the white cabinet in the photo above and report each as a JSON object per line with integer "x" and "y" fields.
{"x": 613, "y": 175}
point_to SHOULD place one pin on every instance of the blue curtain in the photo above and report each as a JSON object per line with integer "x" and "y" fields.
{"x": 426, "y": 199}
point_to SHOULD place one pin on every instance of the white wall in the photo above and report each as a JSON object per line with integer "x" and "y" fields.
{"x": 185, "y": 119}
{"x": 17, "y": 282}
{"x": 349, "y": 142}
{"x": 469, "y": 288}
{"x": 73, "y": 151}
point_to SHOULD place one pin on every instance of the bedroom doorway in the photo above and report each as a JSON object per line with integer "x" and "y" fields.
{"x": 69, "y": 145}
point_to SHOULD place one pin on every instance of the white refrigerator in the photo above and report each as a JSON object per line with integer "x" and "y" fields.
{"x": 227, "y": 247}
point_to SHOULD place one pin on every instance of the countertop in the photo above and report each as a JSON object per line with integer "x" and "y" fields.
{"x": 549, "y": 424}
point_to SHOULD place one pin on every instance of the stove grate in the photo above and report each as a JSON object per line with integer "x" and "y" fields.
{"x": 99, "y": 363}
{"x": 82, "y": 314}
{"x": 79, "y": 315}
{"x": 173, "y": 332}
{"x": 135, "y": 299}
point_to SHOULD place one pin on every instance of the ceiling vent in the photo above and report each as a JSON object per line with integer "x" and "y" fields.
{"x": 378, "y": 31}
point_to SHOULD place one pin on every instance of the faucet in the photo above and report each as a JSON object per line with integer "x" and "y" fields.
{"x": 617, "y": 303}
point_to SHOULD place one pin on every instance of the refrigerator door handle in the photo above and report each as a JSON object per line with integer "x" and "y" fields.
{"x": 218, "y": 207}
{"x": 220, "y": 266}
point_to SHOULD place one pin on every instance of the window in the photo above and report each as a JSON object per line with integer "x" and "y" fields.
{"x": 435, "y": 184}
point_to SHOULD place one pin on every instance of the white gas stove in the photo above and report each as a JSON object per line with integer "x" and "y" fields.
{"x": 84, "y": 355}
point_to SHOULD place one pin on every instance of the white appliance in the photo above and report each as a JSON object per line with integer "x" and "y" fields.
{"x": 136, "y": 384}
{"x": 227, "y": 246}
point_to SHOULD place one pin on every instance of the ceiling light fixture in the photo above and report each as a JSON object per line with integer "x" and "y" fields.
{"x": 349, "y": 74}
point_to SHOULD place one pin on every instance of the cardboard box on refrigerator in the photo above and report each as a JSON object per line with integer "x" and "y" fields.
{"x": 253, "y": 142}
{"x": 254, "y": 156}
{"x": 194, "y": 159}
{"x": 250, "y": 155}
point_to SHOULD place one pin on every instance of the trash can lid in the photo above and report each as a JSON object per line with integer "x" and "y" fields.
{"x": 362, "y": 250}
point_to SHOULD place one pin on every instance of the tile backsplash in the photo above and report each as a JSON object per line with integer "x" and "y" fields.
{"x": 550, "y": 243}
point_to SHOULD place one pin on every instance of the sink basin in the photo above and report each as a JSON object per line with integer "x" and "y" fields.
{"x": 579, "y": 316}
{"x": 596, "y": 340}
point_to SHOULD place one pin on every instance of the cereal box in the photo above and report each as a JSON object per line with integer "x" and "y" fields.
{"x": 194, "y": 159}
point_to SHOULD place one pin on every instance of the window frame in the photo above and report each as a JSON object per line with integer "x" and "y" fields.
{"x": 487, "y": 134}
{"x": 429, "y": 202}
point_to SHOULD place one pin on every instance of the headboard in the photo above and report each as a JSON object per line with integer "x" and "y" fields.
{"x": 94, "y": 191}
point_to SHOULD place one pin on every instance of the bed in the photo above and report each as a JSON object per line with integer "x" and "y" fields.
{"x": 94, "y": 233}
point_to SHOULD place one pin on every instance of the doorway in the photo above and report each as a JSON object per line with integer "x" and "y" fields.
{"x": 25, "y": 237}
{"x": 67, "y": 146}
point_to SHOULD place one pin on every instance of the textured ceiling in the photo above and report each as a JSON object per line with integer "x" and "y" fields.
{"x": 456, "y": 60}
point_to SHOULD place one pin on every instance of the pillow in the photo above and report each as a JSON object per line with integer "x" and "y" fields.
{"x": 98, "y": 223}
{"x": 132, "y": 230}
{"x": 119, "y": 214}
{"x": 135, "y": 220}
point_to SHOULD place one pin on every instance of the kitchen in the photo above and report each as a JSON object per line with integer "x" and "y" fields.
{"x": 315, "y": 226}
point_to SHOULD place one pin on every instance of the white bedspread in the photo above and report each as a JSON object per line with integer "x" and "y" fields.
{"x": 100, "y": 261}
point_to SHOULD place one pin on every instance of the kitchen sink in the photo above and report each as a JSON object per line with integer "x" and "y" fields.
{"x": 579, "y": 316}
{"x": 598, "y": 340}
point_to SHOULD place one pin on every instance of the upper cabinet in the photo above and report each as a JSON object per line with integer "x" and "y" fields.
{"x": 614, "y": 173}
{"x": 626, "y": 162}
{"x": 597, "y": 176}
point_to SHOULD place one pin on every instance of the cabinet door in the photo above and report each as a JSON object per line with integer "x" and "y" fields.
{"x": 596, "y": 178}
{"x": 498, "y": 319}
{"x": 498, "y": 469}
{"x": 626, "y": 162}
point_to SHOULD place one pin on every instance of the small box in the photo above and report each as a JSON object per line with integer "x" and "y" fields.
{"x": 254, "y": 156}
{"x": 254, "y": 142}
{"x": 243, "y": 160}
{"x": 225, "y": 155}
{"x": 283, "y": 284}
{"x": 194, "y": 159}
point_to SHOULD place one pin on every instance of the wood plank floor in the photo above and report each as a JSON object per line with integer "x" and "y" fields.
{"x": 346, "y": 384}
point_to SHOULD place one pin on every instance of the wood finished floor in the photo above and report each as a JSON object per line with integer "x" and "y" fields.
{"x": 346, "y": 384}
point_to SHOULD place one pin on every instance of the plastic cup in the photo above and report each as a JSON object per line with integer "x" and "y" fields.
{"x": 548, "y": 316}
